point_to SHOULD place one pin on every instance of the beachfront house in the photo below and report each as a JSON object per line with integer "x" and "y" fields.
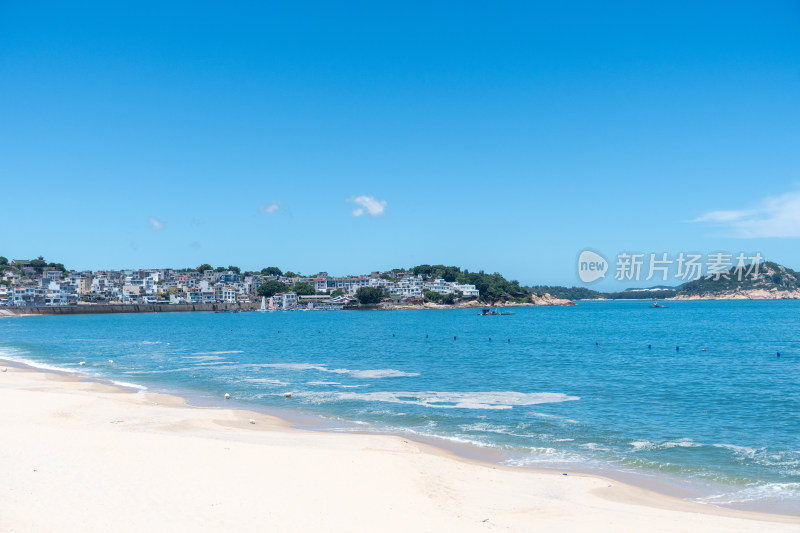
{"x": 285, "y": 300}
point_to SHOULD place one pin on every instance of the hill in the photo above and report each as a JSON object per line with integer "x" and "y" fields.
{"x": 774, "y": 281}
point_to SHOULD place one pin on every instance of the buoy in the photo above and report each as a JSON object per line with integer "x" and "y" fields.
{"x": 111, "y": 361}
{"x": 564, "y": 474}
{"x": 596, "y": 344}
{"x": 252, "y": 420}
{"x": 426, "y": 336}
{"x": 677, "y": 348}
{"x": 82, "y": 363}
{"x": 454, "y": 337}
{"x": 649, "y": 346}
{"x": 490, "y": 339}
{"x": 287, "y": 394}
{"x": 704, "y": 349}
{"x": 779, "y": 355}
{"x": 392, "y": 334}
{"x": 227, "y": 396}
{"x": 509, "y": 340}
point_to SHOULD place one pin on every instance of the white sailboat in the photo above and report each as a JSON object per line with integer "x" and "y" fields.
{"x": 263, "y": 305}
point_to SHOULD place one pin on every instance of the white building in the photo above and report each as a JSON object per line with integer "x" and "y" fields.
{"x": 285, "y": 300}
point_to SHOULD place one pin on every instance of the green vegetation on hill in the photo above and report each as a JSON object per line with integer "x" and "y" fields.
{"x": 770, "y": 276}
{"x": 582, "y": 293}
{"x": 493, "y": 287}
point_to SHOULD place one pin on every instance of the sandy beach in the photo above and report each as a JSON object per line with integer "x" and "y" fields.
{"x": 83, "y": 456}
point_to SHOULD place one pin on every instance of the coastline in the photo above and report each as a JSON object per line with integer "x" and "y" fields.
{"x": 127, "y": 453}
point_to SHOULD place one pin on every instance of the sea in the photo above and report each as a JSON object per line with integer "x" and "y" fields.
{"x": 700, "y": 399}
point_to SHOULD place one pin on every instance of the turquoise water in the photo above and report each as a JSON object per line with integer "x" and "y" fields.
{"x": 567, "y": 387}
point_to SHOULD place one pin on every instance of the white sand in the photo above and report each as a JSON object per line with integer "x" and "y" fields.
{"x": 86, "y": 457}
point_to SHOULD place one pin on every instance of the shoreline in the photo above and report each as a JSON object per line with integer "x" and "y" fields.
{"x": 633, "y": 499}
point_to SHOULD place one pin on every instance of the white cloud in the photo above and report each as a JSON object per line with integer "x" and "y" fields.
{"x": 270, "y": 208}
{"x": 369, "y": 205}
{"x": 725, "y": 216}
{"x": 777, "y": 216}
{"x": 155, "y": 224}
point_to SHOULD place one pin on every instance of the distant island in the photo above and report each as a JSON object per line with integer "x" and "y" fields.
{"x": 774, "y": 282}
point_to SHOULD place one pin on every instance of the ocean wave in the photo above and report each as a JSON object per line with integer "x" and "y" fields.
{"x": 754, "y": 492}
{"x": 14, "y": 355}
{"x": 789, "y": 460}
{"x": 594, "y": 447}
{"x": 203, "y": 358}
{"x": 646, "y": 445}
{"x": 222, "y": 352}
{"x": 164, "y": 370}
{"x": 128, "y": 385}
{"x": 362, "y": 374}
{"x": 266, "y": 381}
{"x": 447, "y": 400}
{"x": 545, "y": 456}
{"x": 554, "y": 417}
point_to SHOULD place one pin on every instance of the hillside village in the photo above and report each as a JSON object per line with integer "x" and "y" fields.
{"x": 37, "y": 283}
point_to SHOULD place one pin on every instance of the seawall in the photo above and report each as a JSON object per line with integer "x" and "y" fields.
{"x": 121, "y": 308}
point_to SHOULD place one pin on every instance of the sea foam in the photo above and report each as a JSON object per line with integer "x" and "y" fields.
{"x": 363, "y": 374}
{"x": 448, "y": 400}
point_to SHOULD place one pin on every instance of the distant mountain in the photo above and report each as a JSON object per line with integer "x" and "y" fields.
{"x": 582, "y": 293}
{"x": 773, "y": 281}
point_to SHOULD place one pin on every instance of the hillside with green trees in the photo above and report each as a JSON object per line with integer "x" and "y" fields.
{"x": 770, "y": 276}
{"x": 493, "y": 288}
{"x": 582, "y": 293}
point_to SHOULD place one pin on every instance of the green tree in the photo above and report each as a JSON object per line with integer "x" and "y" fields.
{"x": 57, "y": 266}
{"x": 205, "y": 266}
{"x": 303, "y": 288}
{"x": 337, "y": 292}
{"x": 290, "y": 274}
{"x": 235, "y": 269}
{"x": 430, "y": 296}
{"x": 369, "y": 295}
{"x": 220, "y": 269}
{"x": 422, "y": 270}
{"x": 3, "y": 261}
{"x": 271, "y": 271}
{"x": 271, "y": 288}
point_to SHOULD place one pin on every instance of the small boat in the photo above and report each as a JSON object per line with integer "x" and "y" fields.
{"x": 487, "y": 311}
{"x": 656, "y": 306}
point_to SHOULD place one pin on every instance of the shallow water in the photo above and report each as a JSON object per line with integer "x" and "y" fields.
{"x": 572, "y": 387}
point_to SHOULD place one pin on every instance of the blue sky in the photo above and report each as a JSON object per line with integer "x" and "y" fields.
{"x": 501, "y": 136}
